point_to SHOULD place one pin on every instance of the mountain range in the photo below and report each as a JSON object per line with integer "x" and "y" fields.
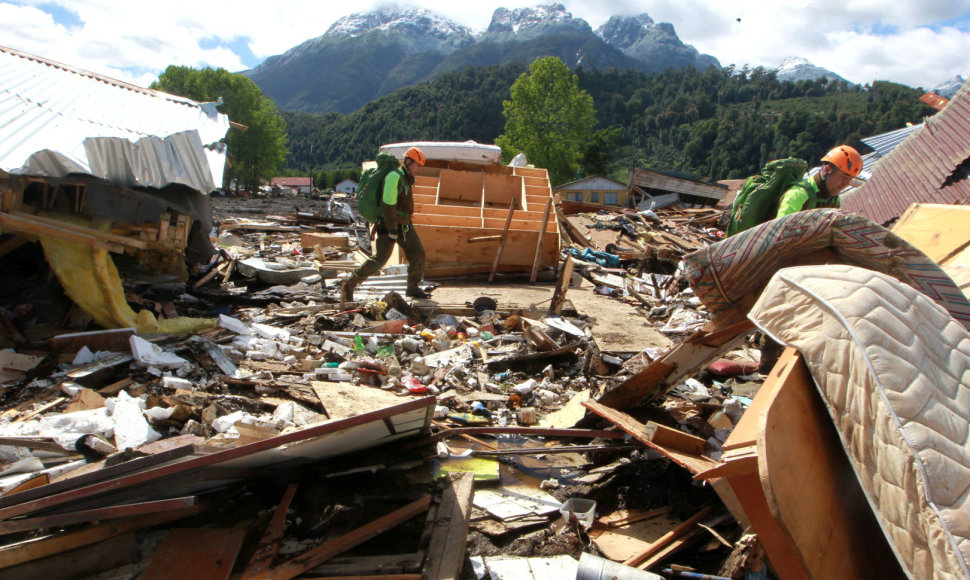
{"x": 366, "y": 55}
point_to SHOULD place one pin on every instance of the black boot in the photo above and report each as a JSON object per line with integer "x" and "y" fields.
{"x": 417, "y": 293}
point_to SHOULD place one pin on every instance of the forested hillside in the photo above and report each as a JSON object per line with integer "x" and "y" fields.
{"x": 718, "y": 123}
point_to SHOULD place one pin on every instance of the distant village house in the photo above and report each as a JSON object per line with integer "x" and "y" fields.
{"x": 346, "y": 186}
{"x": 595, "y": 190}
{"x": 298, "y": 185}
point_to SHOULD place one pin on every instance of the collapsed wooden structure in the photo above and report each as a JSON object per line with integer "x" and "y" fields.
{"x": 469, "y": 216}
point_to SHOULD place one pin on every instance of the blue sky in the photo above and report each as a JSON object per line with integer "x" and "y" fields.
{"x": 920, "y": 43}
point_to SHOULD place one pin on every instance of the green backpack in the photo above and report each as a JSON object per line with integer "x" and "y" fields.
{"x": 757, "y": 200}
{"x": 371, "y": 187}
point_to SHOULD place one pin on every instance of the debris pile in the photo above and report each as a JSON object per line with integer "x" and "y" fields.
{"x": 329, "y": 425}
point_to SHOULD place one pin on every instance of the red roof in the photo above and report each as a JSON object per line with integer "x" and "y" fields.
{"x": 930, "y": 166}
{"x": 292, "y": 181}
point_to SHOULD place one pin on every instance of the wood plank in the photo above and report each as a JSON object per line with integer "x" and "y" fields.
{"x": 199, "y": 554}
{"x": 501, "y": 244}
{"x": 562, "y": 286}
{"x": 329, "y": 549}
{"x": 269, "y": 543}
{"x": 811, "y": 489}
{"x": 108, "y": 513}
{"x": 693, "y": 463}
{"x": 542, "y": 230}
{"x": 13, "y": 554}
{"x": 446, "y": 549}
{"x": 673, "y": 438}
{"x": 697, "y": 350}
{"x": 84, "y": 562}
{"x": 667, "y": 538}
{"x": 45, "y": 223}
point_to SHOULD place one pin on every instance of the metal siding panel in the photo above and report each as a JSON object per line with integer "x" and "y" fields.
{"x": 49, "y": 106}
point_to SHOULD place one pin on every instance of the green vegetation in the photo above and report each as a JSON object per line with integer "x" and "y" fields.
{"x": 256, "y": 153}
{"x": 718, "y": 123}
{"x": 549, "y": 119}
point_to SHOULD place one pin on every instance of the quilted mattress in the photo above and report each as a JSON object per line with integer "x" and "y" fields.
{"x": 893, "y": 368}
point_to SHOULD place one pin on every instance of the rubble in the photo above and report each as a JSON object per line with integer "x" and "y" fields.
{"x": 293, "y": 431}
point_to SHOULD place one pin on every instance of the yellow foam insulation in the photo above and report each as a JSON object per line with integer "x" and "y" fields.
{"x": 91, "y": 280}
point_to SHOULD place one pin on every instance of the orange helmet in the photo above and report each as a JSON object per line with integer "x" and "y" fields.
{"x": 845, "y": 158}
{"x": 416, "y": 155}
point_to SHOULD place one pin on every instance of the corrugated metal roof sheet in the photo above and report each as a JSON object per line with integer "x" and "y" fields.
{"x": 56, "y": 120}
{"x": 916, "y": 170}
{"x": 886, "y": 142}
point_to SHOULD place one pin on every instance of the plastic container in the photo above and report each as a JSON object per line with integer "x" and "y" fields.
{"x": 584, "y": 510}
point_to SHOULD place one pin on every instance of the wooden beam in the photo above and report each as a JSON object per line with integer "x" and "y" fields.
{"x": 562, "y": 286}
{"x": 201, "y": 554}
{"x": 446, "y": 550}
{"x": 692, "y": 462}
{"x": 106, "y": 237}
{"x": 9, "y": 222}
{"x": 269, "y": 544}
{"x": 329, "y": 549}
{"x": 542, "y": 237}
{"x": 501, "y": 244}
{"x": 667, "y": 538}
{"x": 697, "y": 350}
{"x": 107, "y": 513}
{"x": 33, "y": 549}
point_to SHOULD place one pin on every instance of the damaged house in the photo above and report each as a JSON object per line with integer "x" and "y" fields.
{"x": 92, "y": 168}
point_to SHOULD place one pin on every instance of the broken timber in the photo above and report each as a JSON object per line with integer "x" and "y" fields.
{"x": 697, "y": 350}
{"x": 790, "y": 475}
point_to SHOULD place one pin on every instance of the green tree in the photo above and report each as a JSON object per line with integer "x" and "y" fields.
{"x": 257, "y": 152}
{"x": 549, "y": 119}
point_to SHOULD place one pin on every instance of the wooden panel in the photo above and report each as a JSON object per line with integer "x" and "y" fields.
{"x": 500, "y": 189}
{"x": 200, "y": 554}
{"x": 455, "y": 210}
{"x": 464, "y": 185}
{"x": 445, "y": 220}
{"x": 446, "y": 548}
{"x": 530, "y": 172}
{"x": 811, "y": 489}
{"x": 431, "y": 189}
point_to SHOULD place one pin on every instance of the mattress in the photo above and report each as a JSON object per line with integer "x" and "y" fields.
{"x": 893, "y": 369}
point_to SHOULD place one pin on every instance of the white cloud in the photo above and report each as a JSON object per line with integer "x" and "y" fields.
{"x": 914, "y": 41}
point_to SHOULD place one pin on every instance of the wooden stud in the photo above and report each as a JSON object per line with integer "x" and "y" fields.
{"x": 269, "y": 544}
{"x": 501, "y": 244}
{"x": 542, "y": 237}
{"x": 331, "y": 548}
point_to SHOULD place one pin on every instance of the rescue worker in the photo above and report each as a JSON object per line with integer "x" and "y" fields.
{"x": 821, "y": 189}
{"x": 395, "y": 227}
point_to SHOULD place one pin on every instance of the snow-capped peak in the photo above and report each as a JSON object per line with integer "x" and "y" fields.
{"x": 520, "y": 20}
{"x": 796, "y": 68}
{"x": 625, "y": 31}
{"x": 416, "y": 21}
